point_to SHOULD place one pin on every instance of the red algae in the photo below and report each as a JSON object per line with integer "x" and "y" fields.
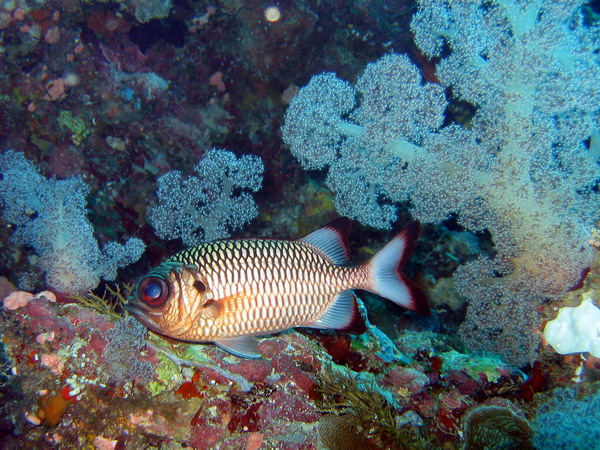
{"x": 245, "y": 417}
{"x": 292, "y": 370}
{"x": 189, "y": 390}
{"x": 252, "y": 370}
{"x": 465, "y": 384}
{"x": 65, "y": 393}
{"x": 536, "y": 383}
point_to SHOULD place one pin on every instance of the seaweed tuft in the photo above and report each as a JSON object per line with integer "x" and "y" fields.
{"x": 111, "y": 302}
{"x": 358, "y": 415}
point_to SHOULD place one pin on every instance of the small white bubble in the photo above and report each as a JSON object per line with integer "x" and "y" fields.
{"x": 272, "y": 13}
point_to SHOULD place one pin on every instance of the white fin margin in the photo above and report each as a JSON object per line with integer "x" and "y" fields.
{"x": 389, "y": 281}
{"x": 386, "y": 280}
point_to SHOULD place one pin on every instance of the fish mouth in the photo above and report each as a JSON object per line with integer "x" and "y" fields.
{"x": 143, "y": 316}
{"x": 136, "y": 312}
{"x": 140, "y": 314}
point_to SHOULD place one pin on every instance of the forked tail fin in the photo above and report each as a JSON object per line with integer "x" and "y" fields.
{"x": 389, "y": 281}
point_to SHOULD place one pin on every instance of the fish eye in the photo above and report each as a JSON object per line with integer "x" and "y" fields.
{"x": 153, "y": 291}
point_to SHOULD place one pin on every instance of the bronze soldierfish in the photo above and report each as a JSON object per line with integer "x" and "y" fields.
{"x": 229, "y": 291}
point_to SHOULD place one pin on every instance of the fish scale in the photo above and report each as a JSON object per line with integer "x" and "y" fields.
{"x": 268, "y": 262}
{"x": 228, "y": 291}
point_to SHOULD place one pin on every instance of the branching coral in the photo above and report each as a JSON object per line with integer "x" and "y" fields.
{"x": 50, "y": 215}
{"x": 569, "y": 419}
{"x": 125, "y": 343}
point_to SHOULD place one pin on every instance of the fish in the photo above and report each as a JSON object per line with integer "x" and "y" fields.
{"x": 229, "y": 292}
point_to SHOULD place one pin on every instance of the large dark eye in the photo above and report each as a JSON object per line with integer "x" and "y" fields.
{"x": 153, "y": 291}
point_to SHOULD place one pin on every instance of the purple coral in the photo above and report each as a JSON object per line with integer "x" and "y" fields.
{"x": 521, "y": 169}
{"x": 208, "y": 206}
{"x": 365, "y": 133}
{"x": 50, "y": 215}
{"x": 314, "y": 128}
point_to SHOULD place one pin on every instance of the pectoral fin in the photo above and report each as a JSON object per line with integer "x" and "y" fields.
{"x": 220, "y": 309}
{"x": 243, "y": 346}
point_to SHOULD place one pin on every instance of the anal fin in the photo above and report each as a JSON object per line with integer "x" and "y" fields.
{"x": 243, "y": 346}
{"x": 342, "y": 315}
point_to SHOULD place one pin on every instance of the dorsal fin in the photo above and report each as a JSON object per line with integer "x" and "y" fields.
{"x": 332, "y": 240}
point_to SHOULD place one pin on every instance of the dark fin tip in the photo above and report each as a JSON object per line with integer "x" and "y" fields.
{"x": 410, "y": 236}
{"x": 356, "y": 325}
{"x": 418, "y": 300}
{"x": 342, "y": 226}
